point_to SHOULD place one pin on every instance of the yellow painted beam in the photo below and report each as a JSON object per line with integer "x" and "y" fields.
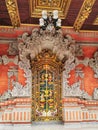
{"x": 13, "y": 12}
{"x": 83, "y": 13}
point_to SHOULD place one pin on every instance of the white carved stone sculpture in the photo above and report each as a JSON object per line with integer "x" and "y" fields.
{"x": 20, "y": 90}
{"x": 93, "y": 63}
{"x": 6, "y": 95}
{"x": 75, "y": 91}
{"x": 79, "y": 51}
{"x": 95, "y": 94}
{"x": 6, "y": 60}
{"x": 0, "y": 60}
{"x": 32, "y": 45}
{"x": 13, "y": 48}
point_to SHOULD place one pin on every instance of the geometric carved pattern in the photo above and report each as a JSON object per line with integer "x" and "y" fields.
{"x": 38, "y": 5}
{"x": 13, "y": 12}
{"x": 83, "y": 14}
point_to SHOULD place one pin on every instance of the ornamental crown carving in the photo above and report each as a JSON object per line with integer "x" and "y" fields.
{"x": 32, "y": 45}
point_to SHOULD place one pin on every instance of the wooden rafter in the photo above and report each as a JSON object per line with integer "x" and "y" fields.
{"x": 13, "y": 12}
{"x": 83, "y": 14}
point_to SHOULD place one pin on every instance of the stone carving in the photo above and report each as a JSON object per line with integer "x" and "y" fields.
{"x": 20, "y": 90}
{"x": 6, "y": 60}
{"x": 85, "y": 61}
{"x": 26, "y": 90}
{"x": 13, "y": 48}
{"x": 6, "y": 95}
{"x": 93, "y": 63}
{"x": 28, "y": 74}
{"x": 79, "y": 72}
{"x": 79, "y": 51}
{"x": 32, "y": 45}
{"x": 95, "y": 94}
{"x": 85, "y": 95}
{"x": 75, "y": 91}
{"x": 12, "y": 71}
{"x": 69, "y": 65}
{"x": 63, "y": 46}
{"x": 0, "y": 60}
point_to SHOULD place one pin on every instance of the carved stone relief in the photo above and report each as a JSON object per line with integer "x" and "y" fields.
{"x": 95, "y": 94}
{"x": 85, "y": 61}
{"x": 93, "y": 63}
{"x": 32, "y": 45}
{"x": 63, "y": 46}
{"x": 79, "y": 51}
{"x": 0, "y": 60}
{"x": 73, "y": 90}
{"x": 20, "y": 90}
{"x": 12, "y": 71}
{"x": 6, "y": 95}
{"x": 13, "y": 48}
{"x": 5, "y": 60}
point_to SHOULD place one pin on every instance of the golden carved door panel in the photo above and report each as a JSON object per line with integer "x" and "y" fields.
{"x": 46, "y": 87}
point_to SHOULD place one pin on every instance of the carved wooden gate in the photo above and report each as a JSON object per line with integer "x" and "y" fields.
{"x": 46, "y": 87}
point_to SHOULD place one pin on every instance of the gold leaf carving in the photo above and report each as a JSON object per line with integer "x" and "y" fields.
{"x": 38, "y": 5}
{"x": 83, "y": 14}
{"x": 13, "y": 12}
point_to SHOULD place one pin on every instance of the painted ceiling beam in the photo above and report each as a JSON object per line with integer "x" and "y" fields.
{"x": 84, "y": 13}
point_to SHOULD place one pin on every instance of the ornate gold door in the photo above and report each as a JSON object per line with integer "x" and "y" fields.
{"x": 46, "y": 87}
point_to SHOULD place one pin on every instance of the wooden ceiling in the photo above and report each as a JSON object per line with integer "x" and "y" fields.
{"x": 79, "y": 14}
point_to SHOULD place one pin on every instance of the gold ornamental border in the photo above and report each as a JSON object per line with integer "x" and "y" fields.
{"x": 13, "y": 12}
{"x": 46, "y": 59}
{"x": 84, "y": 13}
{"x": 36, "y": 7}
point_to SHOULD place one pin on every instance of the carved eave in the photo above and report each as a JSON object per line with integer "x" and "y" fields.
{"x": 13, "y": 12}
{"x": 83, "y": 14}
